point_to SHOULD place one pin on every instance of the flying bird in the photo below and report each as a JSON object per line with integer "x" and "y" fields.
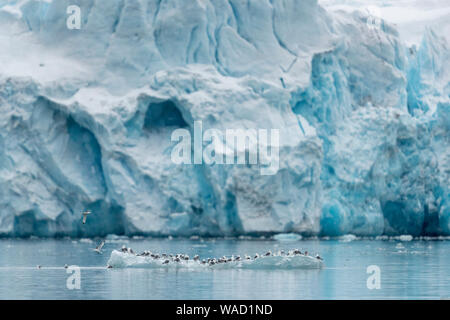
{"x": 85, "y": 214}
{"x": 98, "y": 249}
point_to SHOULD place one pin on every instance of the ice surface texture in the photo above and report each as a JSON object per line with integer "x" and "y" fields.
{"x": 86, "y": 118}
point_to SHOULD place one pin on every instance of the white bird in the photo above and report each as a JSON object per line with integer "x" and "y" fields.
{"x": 85, "y": 214}
{"x": 98, "y": 249}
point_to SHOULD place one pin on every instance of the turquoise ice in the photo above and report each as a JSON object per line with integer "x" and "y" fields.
{"x": 86, "y": 118}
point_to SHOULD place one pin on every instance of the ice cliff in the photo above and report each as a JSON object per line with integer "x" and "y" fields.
{"x": 86, "y": 118}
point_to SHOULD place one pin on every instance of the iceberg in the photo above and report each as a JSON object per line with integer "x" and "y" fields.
{"x": 127, "y": 260}
{"x": 287, "y": 237}
{"x": 87, "y": 117}
{"x": 405, "y": 237}
{"x": 348, "y": 238}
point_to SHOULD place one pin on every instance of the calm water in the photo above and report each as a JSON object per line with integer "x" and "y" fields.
{"x": 409, "y": 270}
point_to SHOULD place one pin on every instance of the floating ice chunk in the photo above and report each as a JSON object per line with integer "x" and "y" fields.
{"x": 405, "y": 237}
{"x": 287, "y": 237}
{"x": 126, "y": 260}
{"x": 348, "y": 238}
{"x": 115, "y": 237}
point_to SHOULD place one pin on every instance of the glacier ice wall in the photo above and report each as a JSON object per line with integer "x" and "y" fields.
{"x": 87, "y": 115}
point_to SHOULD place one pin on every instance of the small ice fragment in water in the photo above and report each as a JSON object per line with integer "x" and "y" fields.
{"x": 287, "y": 237}
{"x": 400, "y": 246}
{"x": 348, "y": 238}
{"x": 405, "y": 237}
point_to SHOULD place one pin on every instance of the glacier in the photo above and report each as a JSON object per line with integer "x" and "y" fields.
{"x": 87, "y": 115}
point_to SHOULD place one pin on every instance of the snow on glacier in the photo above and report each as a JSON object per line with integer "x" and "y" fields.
{"x": 411, "y": 17}
{"x": 87, "y": 117}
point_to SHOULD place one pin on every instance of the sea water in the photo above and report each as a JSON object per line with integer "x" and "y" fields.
{"x": 416, "y": 269}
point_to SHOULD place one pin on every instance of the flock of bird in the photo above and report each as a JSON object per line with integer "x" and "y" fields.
{"x": 177, "y": 258}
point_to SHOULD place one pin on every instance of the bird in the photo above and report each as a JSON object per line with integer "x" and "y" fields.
{"x": 85, "y": 213}
{"x": 38, "y": 266}
{"x": 196, "y": 257}
{"x": 98, "y": 249}
{"x": 66, "y": 266}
